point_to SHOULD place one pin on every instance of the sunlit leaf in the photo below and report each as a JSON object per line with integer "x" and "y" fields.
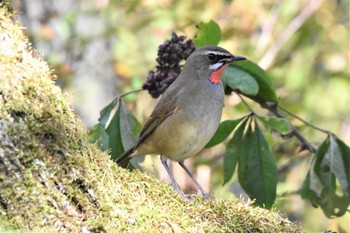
{"x": 223, "y": 131}
{"x": 266, "y": 90}
{"x": 276, "y": 124}
{"x": 257, "y": 170}
{"x": 238, "y": 79}
{"x": 99, "y": 135}
{"x": 209, "y": 34}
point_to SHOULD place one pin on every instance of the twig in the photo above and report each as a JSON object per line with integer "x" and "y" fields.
{"x": 130, "y": 92}
{"x": 272, "y": 107}
{"x": 245, "y": 103}
{"x": 267, "y": 60}
{"x": 302, "y": 120}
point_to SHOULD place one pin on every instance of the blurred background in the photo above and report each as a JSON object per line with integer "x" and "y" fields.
{"x": 102, "y": 48}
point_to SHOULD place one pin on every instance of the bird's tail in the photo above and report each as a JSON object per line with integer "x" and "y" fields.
{"x": 123, "y": 159}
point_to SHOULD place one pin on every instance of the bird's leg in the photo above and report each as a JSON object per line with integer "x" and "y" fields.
{"x": 204, "y": 193}
{"x": 175, "y": 184}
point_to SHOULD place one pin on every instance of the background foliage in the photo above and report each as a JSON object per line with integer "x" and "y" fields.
{"x": 99, "y": 47}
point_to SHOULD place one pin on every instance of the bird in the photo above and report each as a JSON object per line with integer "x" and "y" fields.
{"x": 187, "y": 114}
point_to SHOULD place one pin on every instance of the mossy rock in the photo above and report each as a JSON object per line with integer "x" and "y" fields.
{"x": 52, "y": 179}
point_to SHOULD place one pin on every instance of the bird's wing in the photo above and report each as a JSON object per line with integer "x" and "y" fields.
{"x": 162, "y": 111}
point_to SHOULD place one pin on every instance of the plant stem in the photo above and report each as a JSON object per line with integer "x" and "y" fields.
{"x": 302, "y": 120}
{"x": 272, "y": 107}
{"x": 130, "y": 92}
{"x": 245, "y": 103}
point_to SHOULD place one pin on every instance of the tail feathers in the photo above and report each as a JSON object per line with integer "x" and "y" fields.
{"x": 123, "y": 159}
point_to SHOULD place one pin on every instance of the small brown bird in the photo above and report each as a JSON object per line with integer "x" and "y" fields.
{"x": 188, "y": 113}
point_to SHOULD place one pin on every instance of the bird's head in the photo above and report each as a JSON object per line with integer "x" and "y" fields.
{"x": 210, "y": 62}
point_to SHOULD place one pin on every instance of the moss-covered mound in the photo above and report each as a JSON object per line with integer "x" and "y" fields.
{"x": 52, "y": 179}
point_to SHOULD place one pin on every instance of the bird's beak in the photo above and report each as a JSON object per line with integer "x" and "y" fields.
{"x": 232, "y": 59}
{"x": 237, "y": 58}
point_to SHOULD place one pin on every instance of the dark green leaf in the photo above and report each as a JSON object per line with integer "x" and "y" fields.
{"x": 266, "y": 90}
{"x": 276, "y": 124}
{"x": 117, "y": 129}
{"x": 345, "y": 154}
{"x": 224, "y": 129}
{"x": 329, "y": 168}
{"x": 233, "y": 148}
{"x": 106, "y": 112}
{"x": 113, "y": 130}
{"x": 312, "y": 187}
{"x": 333, "y": 204}
{"x": 129, "y": 127}
{"x": 209, "y": 34}
{"x": 305, "y": 191}
{"x": 238, "y": 79}
{"x": 332, "y": 164}
{"x": 315, "y": 182}
{"x": 257, "y": 170}
{"x": 99, "y": 135}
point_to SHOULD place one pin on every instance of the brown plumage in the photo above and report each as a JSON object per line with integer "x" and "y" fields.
{"x": 188, "y": 113}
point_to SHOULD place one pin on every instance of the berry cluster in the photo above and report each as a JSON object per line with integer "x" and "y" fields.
{"x": 170, "y": 55}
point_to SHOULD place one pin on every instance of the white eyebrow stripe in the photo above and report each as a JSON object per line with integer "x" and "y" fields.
{"x": 215, "y": 66}
{"x": 217, "y": 53}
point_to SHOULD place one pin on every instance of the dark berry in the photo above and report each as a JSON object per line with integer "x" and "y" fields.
{"x": 170, "y": 55}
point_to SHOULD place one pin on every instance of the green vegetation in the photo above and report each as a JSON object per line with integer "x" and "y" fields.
{"x": 302, "y": 45}
{"x": 52, "y": 179}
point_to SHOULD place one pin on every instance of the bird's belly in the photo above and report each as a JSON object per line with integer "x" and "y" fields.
{"x": 183, "y": 137}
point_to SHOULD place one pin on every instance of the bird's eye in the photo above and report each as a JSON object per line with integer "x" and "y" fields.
{"x": 211, "y": 57}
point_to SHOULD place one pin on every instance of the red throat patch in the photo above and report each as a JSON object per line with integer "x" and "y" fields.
{"x": 215, "y": 77}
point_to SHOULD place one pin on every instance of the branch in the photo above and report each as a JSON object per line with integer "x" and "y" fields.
{"x": 272, "y": 107}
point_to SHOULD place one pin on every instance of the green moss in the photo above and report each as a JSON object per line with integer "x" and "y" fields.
{"x": 52, "y": 179}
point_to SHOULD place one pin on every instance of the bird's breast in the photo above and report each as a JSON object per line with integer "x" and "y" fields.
{"x": 193, "y": 124}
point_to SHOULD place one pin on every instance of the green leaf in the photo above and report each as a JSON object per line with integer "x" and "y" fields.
{"x": 117, "y": 130}
{"x": 209, "y": 34}
{"x": 332, "y": 164}
{"x": 233, "y": 148}
{"x": 129, "y": 127}
{"x": 345, "y": 154}
{"x": 276, "y": 124}
{"x": 257, "y": 170}
{"x": 98, "y": 134}
{"x": 238, "y": 79}
{"x": 114, "y": 132}
{"x": 305, "y": 191}
{"x": 266, "y": 90}
{"x": 223, "y": 131}
{"x": 106, "y": 112}
{"x": 329, "y": 170}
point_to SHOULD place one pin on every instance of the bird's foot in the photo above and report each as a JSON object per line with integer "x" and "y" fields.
{"x": 188, "y": 197}
{"x": 206, "y": 196}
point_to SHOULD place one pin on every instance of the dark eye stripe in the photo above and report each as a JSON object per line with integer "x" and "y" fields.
{"x": 219, "y": 57}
